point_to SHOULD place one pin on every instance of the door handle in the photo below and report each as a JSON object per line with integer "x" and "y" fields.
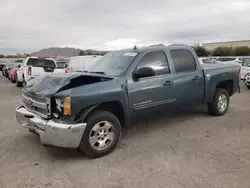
{"x": 168, "y": 83}
{"x": 196, "y": 78}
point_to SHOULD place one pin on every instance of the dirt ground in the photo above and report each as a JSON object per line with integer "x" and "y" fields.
{"x": 189, "y": 149}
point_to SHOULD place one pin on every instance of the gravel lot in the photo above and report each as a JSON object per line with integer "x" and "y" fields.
{"x": 186, "y": 150}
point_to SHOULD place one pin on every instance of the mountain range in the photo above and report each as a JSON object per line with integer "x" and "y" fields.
{"x": 69, "y": 52}
{"x": 64, "y": 52}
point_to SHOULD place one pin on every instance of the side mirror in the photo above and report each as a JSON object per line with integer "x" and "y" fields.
{"x": 144, "y": 72}
{"x": 19, "y": 66}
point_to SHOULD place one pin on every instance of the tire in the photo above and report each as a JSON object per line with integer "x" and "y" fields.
{"x": 214, "y": 106}
{"x": 247, "y": 81}
{"x": 13, "y": 81}
{"x": 95, "y": 121}
{"x": 18, "y": 84}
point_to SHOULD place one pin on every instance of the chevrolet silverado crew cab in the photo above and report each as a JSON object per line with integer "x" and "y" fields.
{"x": 35, "y": 66}
{"x": 87, "y": 110}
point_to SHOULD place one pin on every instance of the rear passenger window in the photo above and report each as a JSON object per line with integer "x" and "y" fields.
{"x": 157, "y": 61}
{"x": 183, "y": 61}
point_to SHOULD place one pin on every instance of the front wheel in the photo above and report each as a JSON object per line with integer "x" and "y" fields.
{"x": 220, "y": 103}
{"x": 101, "y": 135}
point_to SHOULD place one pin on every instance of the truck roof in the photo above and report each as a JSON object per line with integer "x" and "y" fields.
{"x": 147, "y": 49}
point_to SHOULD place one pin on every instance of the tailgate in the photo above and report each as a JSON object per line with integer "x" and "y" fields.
{"x": 59, "y": 70}
{"x": 42, "y": 70}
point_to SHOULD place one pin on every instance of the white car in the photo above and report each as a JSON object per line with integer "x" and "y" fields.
{"x": 81, "y": 63}
{"x": 35, "y": 66}
{"x": 245, "y": 71}
{"x": 204, "y": 60}
{"x": 230, "y": 60}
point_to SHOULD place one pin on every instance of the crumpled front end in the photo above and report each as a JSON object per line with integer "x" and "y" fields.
{"x": 51, "y": 132}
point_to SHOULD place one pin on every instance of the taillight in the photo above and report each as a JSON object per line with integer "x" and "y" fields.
{"x": 29, "y": 70}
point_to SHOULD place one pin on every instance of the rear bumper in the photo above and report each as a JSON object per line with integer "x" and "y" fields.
{"x": 59, "y": 134}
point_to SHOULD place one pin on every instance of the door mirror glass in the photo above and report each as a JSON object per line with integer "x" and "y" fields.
{"x": 144, "y": 72}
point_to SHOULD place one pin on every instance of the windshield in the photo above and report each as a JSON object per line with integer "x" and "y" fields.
{"x": 113, "y": 63}
{"x": 41, "y": 63}
{"x": 60, "y": 64}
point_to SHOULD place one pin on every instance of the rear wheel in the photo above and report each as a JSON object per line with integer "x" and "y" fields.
{"x": 220, "y": 103}
{"x": 247, "y": 81}
{"x": 18, "y": 84}
{"x": 13, "y": 81}
{"x": 101, "y": 135}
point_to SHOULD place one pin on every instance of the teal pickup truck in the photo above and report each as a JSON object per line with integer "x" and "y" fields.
{"x": 87, "y": 110}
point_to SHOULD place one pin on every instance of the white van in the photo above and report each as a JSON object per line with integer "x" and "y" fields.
{"x": 81, "y": 63}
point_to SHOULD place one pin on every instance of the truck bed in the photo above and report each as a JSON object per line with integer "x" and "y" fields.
{"x": 216, "y": 73}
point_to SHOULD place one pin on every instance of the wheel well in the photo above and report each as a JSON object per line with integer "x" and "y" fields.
{"x": 113, "y": 107}
{"x": 227, "y": 85}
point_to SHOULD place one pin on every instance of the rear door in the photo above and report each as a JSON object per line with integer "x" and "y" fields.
{"x": 188, "y": 79}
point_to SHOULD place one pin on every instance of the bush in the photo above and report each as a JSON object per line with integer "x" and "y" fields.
{"x": 1, "y": 56}
{"x": 201, "y": 51}
{"x": 229, "y": 51}
{"x": 223, "y": 51}
{"x": 241, "y": 51}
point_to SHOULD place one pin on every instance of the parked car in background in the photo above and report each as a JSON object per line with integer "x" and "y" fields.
{"x": 62, "y": 65}
{"x": 13, "y": 73}
{"x": 245, "y": 71}
{"x": 9, "y": 65}
{"x": 229, "y": 60}
{"x": 2, "y": 64}
{"x": 81, "y": 63}
{"x": 87, "y": 110}
{"x": 36, "y": 66}
{"x": 204, "y": 60}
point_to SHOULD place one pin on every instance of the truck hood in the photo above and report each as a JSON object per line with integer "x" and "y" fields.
{"x": 47, "y": 85}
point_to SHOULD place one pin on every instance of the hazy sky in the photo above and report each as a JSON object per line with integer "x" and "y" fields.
{"x": 29, "y": 25}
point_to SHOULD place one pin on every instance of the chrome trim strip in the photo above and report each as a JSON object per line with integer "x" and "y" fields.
{"x": 154, "y": 104}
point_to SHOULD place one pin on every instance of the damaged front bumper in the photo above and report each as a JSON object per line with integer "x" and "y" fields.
{"x": 59, "y": 134}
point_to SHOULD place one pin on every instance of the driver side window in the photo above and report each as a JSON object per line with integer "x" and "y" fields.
{"x": 157, "y": 61}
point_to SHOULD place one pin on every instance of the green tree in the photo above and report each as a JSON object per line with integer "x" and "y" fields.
{"x": 201, "y": 51}
{"x": 241, "y": 51}
{"x": 223, "y": 51}
{"x": 1, "y": 56}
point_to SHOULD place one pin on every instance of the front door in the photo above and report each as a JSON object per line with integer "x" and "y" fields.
{"x": 147, "y": 94}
